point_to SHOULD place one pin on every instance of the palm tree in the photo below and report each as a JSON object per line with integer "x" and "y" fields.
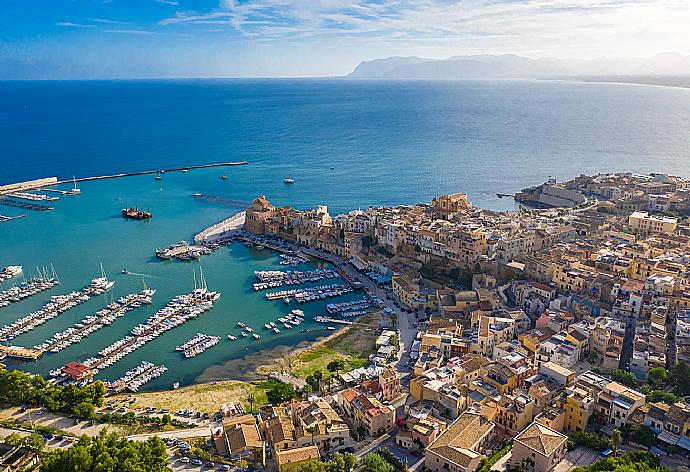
{"x": 306, "y": 390}
{"x": 250, "y": 400}
{"x": 312, "y": 430}
{"x": 615, "y": 440}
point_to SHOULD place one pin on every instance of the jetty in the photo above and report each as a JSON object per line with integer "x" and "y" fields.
{"x": 276, "y": 278}
{"x": 135, "y": 378}
{"x": 184, "y": 251}
{"x": 90, "y": 324}
{"x": 26, "y": 289}
{"x": 150, "y": 172}
{"x": 56, "y": 306}
{"x": 221, "y": 229}
{"x": 177, "y": 312}
{"x": 310, "y": 294}
{"x": 12, "y": 202}
{"x": 5, "y": 219}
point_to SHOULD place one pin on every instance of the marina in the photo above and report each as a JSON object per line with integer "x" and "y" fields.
{"x": 183, "y": 251}
{"x": 133, "y": 379}
{"x": 11, "y": 202}
{"x": 310, "y": 294}
{"x": 276, "y": 278}
{"x": 10, "y": 271}
{"x": 351, "y": 308}
{"x": 57, "y": 305}
{"x": 92, "y": 323}
{"x": 177, "y": 312}
{"x": 231, "y": 266}
{"x": 198, "y": 344}
{"x": 26, "y": 289}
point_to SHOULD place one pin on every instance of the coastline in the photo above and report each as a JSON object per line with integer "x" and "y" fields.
{"x": 256, "y": 366}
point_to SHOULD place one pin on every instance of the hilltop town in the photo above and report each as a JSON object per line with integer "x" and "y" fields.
{"x": 535, "y": 332}
{"x": 534, "y": 340}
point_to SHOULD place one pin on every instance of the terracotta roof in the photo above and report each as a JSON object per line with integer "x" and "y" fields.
{"x": 541, "y": 439}
{"x": 243, "y": 436}
{"x": 299, "y": 454}
{"x": 456, "y": 443}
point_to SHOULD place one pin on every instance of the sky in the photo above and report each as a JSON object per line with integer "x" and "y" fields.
{"x": 58, "y": 39}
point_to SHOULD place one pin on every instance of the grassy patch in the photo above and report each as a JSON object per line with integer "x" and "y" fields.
{"x": 204, "y": 397}
{"x": 309, "y": 361}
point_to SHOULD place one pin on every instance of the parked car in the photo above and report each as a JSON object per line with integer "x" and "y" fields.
{"x": 197, "y": 462}
{"x": 224, "y": 467}
{"x": 184, "y": 459}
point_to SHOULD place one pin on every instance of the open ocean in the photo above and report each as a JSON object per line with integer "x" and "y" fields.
{"x": 347, "y": 143}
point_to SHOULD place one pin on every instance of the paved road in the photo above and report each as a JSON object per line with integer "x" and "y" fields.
{"x": 178, "y": 433}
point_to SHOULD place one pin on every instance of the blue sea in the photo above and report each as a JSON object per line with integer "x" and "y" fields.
{"x": 347, "y": 143}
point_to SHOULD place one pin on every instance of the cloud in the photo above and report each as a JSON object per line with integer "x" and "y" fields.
{"x": 541, "y": 24}
{"x": 128, "y": 31}
{"x": 69, "y": 24}
{"x": 105, "y": 21}
{"x": 169, "y": 2}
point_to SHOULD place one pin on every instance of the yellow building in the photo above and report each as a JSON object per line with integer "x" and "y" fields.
{"x": 646, "y": 223}
{"x": 416, "y": 292}
{"x": 578, "y": 406}
{"x": 447, "y": 204}
{"x": 258, "y": 215}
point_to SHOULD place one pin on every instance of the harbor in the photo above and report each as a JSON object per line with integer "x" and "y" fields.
{"x": 97, "y": 233}
{"x": 134, "y": 379}
{"x": 310, "y": 294}
{"x": 197, "y": 345}
{"x": 177, "y": 312}
{"x": 92, "y": 323}
{"x": 57, "y": 305}
{"x": 26, "y": 289}
{"x": 276, "y": 278}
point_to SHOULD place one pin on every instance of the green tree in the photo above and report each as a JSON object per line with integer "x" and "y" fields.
{"x": 13, "y": 440}
{"x": 166, "y": 419}
{"x": 615, "y": 440}
{"x": 34, "y": 442}
{"x": 312, "y": 466}
{"x": 250, "y": 399}
{"x": 638, "y": 461}
{"x": 375, "y": 463}
{"x": 280, "y": 393}
{"x": 84, "y": 410}
{"x": 657, "y": 376}
{"x": 109, "y": 453}
{"x": 350, "y": 462}
{"x": 336, "y": 366}
{"x": 312, "y": 430}
{"x": 624, "y": 377}
{"x": 361, "y": 432}
{"x": 679, "y": 378}
{"x": 640, "y": 434}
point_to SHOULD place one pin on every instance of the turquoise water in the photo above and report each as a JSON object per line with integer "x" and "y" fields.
{"x": 84, "y": 230}
{"x": 347, "y": 144}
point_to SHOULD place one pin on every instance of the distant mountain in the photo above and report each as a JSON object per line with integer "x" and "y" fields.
{"x": 517, "y": 67}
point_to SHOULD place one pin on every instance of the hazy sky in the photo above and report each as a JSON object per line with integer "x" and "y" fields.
{"x": 234, "y": 38}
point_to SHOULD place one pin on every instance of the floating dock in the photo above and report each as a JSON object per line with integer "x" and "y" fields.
{"x": 90, "y": 324}
{"x": 5, "y": 219}
{"x": 58, "y": 305}
{"x": 11, "y": 202}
